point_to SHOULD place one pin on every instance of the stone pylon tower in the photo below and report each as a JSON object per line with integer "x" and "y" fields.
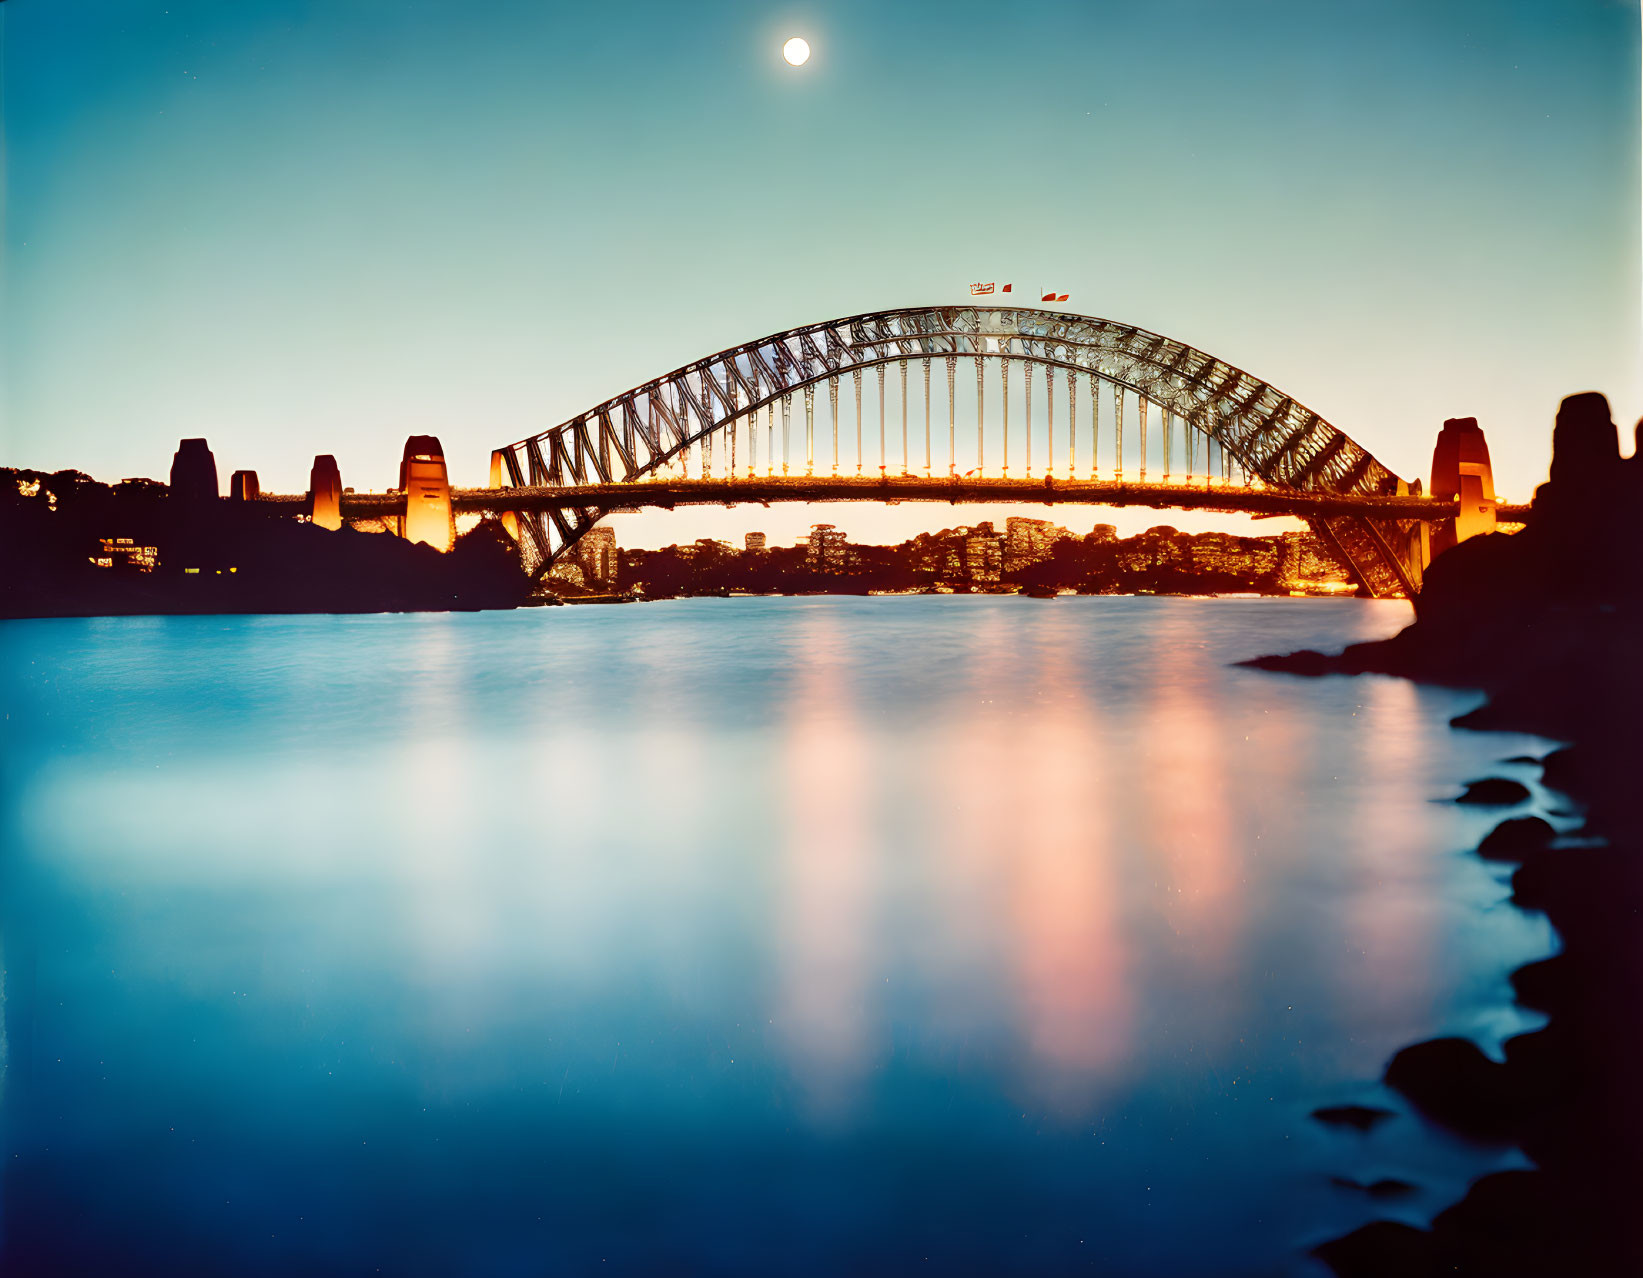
{"x": 325, "y": 493}
{"x": 428, "y": 516}
{"x": 1461, "y": 472}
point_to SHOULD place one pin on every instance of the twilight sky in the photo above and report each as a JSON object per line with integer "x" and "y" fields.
{"x": 319, "y": 225}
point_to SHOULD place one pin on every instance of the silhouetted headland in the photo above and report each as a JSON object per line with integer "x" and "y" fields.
{"x": 1548, "y": 623}
{"x": 70, "y": 546}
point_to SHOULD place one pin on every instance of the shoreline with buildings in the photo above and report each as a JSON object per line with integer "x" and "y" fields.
{"x": 72, "y": 546}
{"x": 1031, "y": 556}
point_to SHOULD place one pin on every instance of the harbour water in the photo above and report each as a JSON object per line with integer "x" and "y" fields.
{"x": 750, "y": 936}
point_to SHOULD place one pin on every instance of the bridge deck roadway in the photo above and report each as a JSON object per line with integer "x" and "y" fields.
{"x": 762, "y": 490}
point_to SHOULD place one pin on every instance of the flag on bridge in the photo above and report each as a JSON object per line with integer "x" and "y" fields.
{"x": 981, "y": 290}
{"x": 1005, "y": 289}
{"x": 1053, "y": 297}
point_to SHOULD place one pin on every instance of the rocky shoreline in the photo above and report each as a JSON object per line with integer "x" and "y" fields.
{"x": 1549, "y": 625}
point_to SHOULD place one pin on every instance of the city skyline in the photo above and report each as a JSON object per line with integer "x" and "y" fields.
{"x": 314, "y": 231}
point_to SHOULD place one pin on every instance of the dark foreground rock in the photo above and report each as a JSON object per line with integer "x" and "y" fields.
{"x": 1451, "y": 1080}
{"x": 1362, "y": 1117}
{"x": 1495, "y": 792}
{"x": 1548, "y": 624}
{"x": 1381, "y": 1249}
{"x": 1385, "y": 1189}
{"x": 1517, "y": 839}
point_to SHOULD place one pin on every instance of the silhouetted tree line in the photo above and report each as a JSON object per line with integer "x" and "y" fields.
{"x": 223, "y": 556}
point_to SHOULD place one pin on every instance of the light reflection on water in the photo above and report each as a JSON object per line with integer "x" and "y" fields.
{"x": 738, "y": 936}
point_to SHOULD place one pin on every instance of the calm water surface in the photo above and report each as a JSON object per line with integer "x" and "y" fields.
{"x": 727, "y": 937}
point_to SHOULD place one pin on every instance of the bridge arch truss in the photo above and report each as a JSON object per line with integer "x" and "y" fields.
{"x": 658, "y": 428}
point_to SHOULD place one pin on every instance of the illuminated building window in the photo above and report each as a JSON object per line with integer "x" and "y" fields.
{"x": 124, "y": 552}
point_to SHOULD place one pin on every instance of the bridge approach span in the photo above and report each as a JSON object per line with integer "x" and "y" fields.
{"x": 666, "y": 494}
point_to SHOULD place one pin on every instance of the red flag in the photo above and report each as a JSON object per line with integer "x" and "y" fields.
{"x": 1061, "y": 297}
{"x": 980, "y": 290}
{"x": 1048, "y": 297}
{"x": 1005, "y": 289}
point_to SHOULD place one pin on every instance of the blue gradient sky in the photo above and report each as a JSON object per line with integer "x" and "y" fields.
{"x": 316, "y": 226}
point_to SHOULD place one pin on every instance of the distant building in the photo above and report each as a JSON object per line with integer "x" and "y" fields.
{"x": 1240, "y": 556}
{"x": 827, "y": 550}
{"x": 1159, "y": 547}
{"x": 754, "y": 541}
{"x": 983, "y": 554}
{"x": 125, "y": 553}
{"x": 596, "y": 554}
{"x": 1026, "y": 541}
{"x": 1305, "y": 564}
{"x": 569, "y": 570}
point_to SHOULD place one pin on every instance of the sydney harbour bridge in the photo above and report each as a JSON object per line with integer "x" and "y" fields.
{"x": 1123, "y": 416}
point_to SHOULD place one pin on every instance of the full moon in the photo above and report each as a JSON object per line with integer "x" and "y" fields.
{"x": 796, "y": 51}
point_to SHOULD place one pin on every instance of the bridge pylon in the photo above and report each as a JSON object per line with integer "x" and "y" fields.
{"x": 325, "y": 493}
{"x": 1461, "y": 472}
{"x": 428, "y": 516}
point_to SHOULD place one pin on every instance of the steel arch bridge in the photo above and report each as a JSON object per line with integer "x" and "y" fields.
{"x": 565, "y": 479}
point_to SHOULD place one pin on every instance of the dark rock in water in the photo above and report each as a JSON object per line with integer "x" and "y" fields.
{"x": 1517, "y": 839}
{"x": 1540, "y": 985}
{"x": 1380, "y": 1190}
{"x": 1363, "y": 1117}
{"x": 1604, "y": 775}
{"x": 1305, "y": 662}
{"x": 1453, "y": 1083}
{"x": 1495, "y": 792}
{"x": 1381, "y": 1249}
{"x": 1507, "y": 1226}
{"x": 1522, "y": 758}
{"x": 1561, "y": 885}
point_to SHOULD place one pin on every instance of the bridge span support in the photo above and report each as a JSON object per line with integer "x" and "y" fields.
{"x": 1461, "y": 473}
{"x": 428, "y": 516}
{"x": 325, "y": 493}
{"x": 510, "y": 519}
